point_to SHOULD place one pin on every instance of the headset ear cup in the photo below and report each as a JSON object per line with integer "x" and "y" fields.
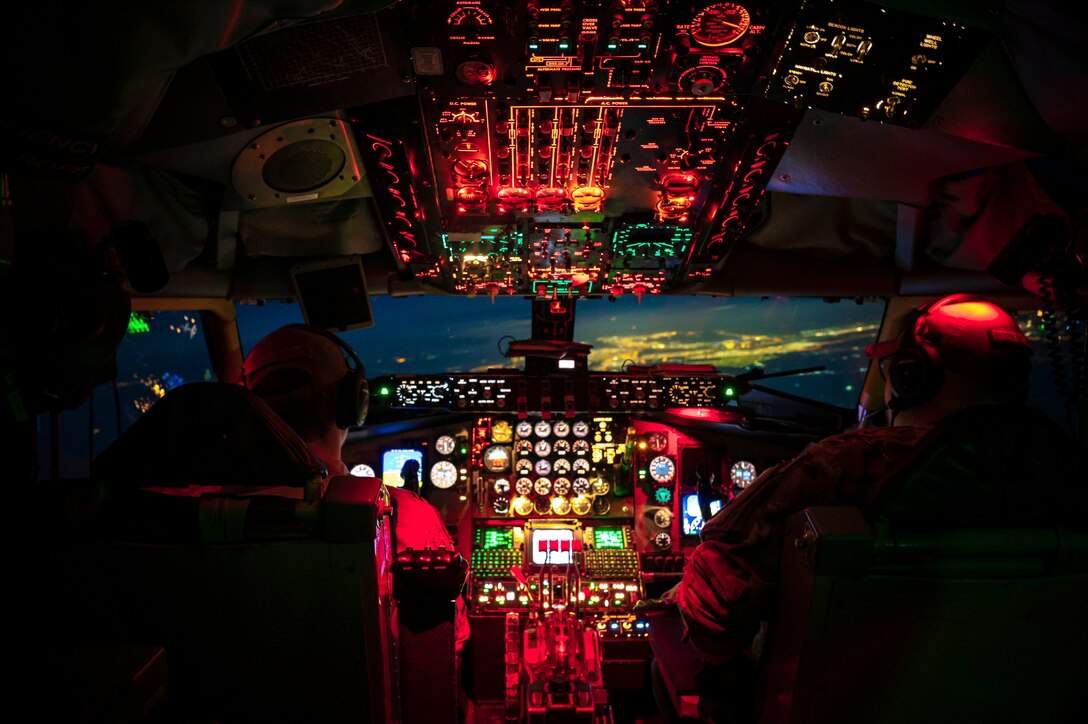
{"x": 351, "y": 407}
{"x": 914, "y": 376}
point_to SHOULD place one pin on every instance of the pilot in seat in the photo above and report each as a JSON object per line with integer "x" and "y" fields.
{"x": 317, "y": 384}
{"x": 955, "y": 353}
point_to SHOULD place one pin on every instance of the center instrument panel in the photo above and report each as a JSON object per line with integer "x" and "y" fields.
{"x": 584, "y": 147}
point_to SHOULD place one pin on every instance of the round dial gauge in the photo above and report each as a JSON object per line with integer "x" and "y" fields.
{"x": 742, "y": 473}
{"x": 501, "y": 505}
{"x": 663, "y": 540}
{"x": 657, "y": 441}
{"x": 581, "y": 504}
{"x": 524, "y": 429}
{"x": 600, "y": 486}
{"x": 543, "y": 467}
{"x": 580, "y": 428}
{"x": 501, "y": 486}
{"x": 502, "y": 431}
{"x": 561, "y": 486}
{"x": 362, "y": 470}
{"x": 662, "y": 469}
{"x": 581, "y": 486}
{"x": 581, "y": 447}
{"x": 443, "y": 474}
{"x": 524, "y": 486}
{"x": 445, "y": 445}
{"x": 542, "y": 486}
{"x": 497, "y": 459}
{"x": 542, "y": 448}
{"x": 561, "y": 447}
{"x": 561, "y": 466}
{"x": 542, "y": 504}
{"x": 580, "y": 466}
{"x": 523, "y": 506}
{"x": 560, "y": 429}
{"x": 523, "y": 467}
{"x": 523, "y": 447}
{"x": 720, "y": 24}
{"x": 560, "y": 505}
{"x": 543, "y": 428}
{"x": 663, "y": 518}
{"x": 663, "y": 495}
{"x": 601, "y": 506}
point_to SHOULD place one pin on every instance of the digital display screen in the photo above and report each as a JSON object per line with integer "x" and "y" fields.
{"x": 497, "y": 539}
{"x": 691, "y": 516}
{"x": 393, "y": 461}
{"x": 553, "y": 546}
{"x": 607, "y": 538}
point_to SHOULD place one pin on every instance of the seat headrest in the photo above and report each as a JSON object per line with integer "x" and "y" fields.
{"x": 208, "y": 433}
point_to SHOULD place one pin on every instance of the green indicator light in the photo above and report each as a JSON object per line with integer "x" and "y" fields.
{"x": 137, "y": 324}
{"x": 729, "y": 392}
{"x": 384, "y": 391}
{"x": 464, "y": 450}
{"x": 642, "y": 473}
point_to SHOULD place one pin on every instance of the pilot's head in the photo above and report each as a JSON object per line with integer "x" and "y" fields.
{"x": 958, "y": 351}
{"x": 310, "y": 378}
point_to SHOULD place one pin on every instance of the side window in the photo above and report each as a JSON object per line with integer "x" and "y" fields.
{"x": 160, "y": 351}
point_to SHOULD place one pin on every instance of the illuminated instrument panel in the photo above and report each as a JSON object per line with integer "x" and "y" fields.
{"x": 646, "y": 390}
{"x": 581, "y": 147}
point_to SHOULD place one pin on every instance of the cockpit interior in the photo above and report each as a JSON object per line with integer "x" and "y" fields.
{"x": 601, "y": 263}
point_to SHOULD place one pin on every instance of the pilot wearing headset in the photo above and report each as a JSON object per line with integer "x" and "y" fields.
{"x": 317, "y": 384}
{"x": 957, "y": 352}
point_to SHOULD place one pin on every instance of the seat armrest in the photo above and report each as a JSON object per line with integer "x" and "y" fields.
{"x": 352, "y": 507}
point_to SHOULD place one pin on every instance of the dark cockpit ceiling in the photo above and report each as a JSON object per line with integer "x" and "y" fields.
{"x": 812, "y": 148}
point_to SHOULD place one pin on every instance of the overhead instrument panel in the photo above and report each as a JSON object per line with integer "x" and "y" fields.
{"x": 583, "y": 147}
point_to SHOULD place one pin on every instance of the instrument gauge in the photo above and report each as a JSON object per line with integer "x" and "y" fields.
{"x": 581, "y": 504}
{"x": 580, "y": 428}
{"x": 663, "y": 496}
{"x": 542, "y": 486}
{"x": 600, "y": 486}
{"x": 502, "y": 431}
{"x": 496, "y": 459}
{"x": 522, "y": 506}
{"x": 662, "y": 469}
{"x": 501, "y": 486}
{"x": 720, "y": 24}
{"x": 663, "y": 540}
{"x": 601, "y": 506}
{"x": 501, "y": 505}
{"x": 542, "y": 504}
{"x": 443, "y": 474}
{"x": 581, "y": 486}
{"x": 523, "y": 467}
{"x": 561, "y": 486}
{"x": 561, "y": 505}
{"x": 580, "y": 447}
{"x": 445, "y": 445}
{"x": 524, "y": 429}
{"x": 543, "y": 428}
{"x": 580, "y": 466}
{"x": 663, "y": 518}
{"x": 523, "y": 447}
{"x": 543, "y": 448}
{"x": 561, "y": 466}
{"x": 523, "y": 486}
{"x": 542, "y": 467}
{"x": 560, "y": 429}
{"x": 362, "y": 470}
{"x": 658, "y": 441}
{"x": 561, "y": 447}
{"x": 742, "y": 473}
